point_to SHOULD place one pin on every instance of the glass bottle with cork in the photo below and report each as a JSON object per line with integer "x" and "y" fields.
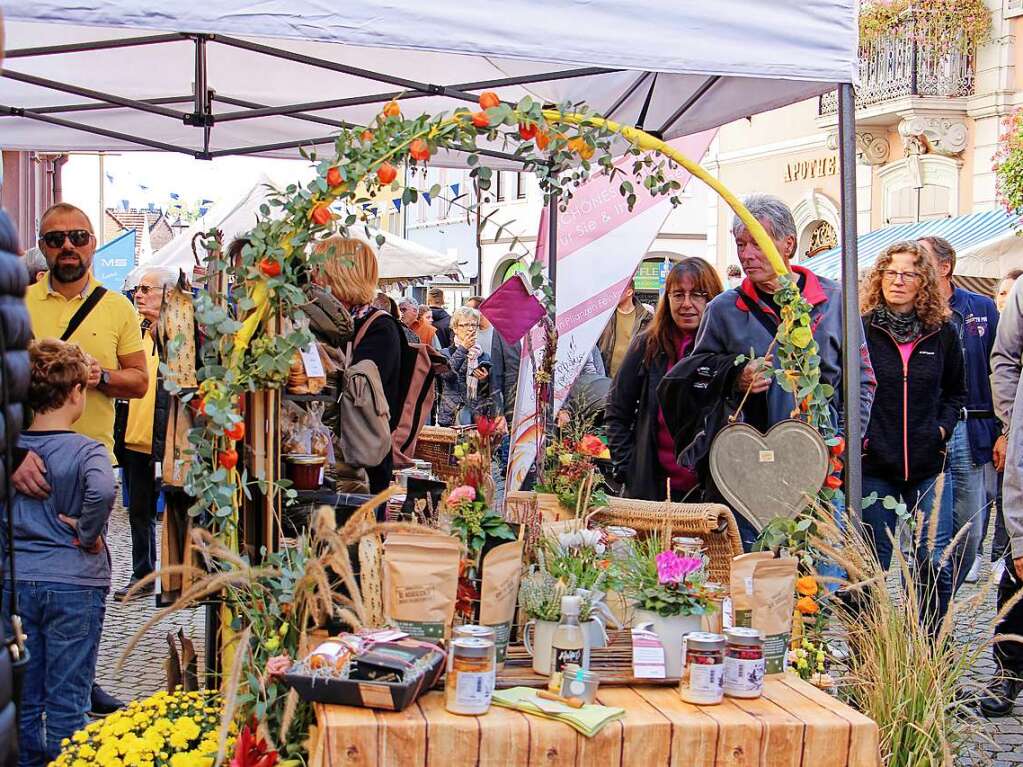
{"x": 569, "y": 643}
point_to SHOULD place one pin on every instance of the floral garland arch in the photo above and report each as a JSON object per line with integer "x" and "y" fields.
{"x": 561, "y": 146}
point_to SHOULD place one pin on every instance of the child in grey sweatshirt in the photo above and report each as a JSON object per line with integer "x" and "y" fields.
{"x": 61, "y": 558}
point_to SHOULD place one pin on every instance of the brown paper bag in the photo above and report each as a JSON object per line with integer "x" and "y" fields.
{"x": 741, "y": 586}
{"x": 502, "y": 570}
{"x": 774, "y": 590}
{"x": 421, "y": 583}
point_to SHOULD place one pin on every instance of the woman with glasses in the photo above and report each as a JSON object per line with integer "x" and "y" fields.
{"x": 921, "y": 391}
{"x": 642, "y": 448}
{"x": 467, "y": 385}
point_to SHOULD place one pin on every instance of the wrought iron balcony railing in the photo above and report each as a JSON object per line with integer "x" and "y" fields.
{"x": 897, "y": 65}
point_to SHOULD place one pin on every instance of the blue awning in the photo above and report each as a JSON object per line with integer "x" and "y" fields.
{"x": 962, "y": 232}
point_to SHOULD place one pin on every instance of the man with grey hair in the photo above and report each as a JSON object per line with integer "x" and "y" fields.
{"x": 746, "y": 317}
{"x": 35, "y": 263}
{"x": 139, "y": 431}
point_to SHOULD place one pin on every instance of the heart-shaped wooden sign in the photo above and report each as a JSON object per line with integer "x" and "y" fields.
{"x": 765, "y": 476}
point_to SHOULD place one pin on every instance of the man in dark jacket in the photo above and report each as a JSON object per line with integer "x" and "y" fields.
{"x": 441, "y": 317}
{"x": 16, "y": 329}
{"x": 745, "y": 317}
{"x": 969, "y": 450}
{"x": 630, "y": 319}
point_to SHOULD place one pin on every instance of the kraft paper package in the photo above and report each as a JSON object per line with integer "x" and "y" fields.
{"x": 502, "y": 569}
{"x": 774, "y": 595}
{"x": 421, "y": 583}
{"x": 741, "y": 586}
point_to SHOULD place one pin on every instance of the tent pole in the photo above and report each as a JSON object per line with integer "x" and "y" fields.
{"x": 552, "y": 276}
{"x": 850, "y": 304}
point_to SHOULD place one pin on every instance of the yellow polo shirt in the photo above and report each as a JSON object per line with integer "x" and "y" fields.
{"x": 138, "y": 434}
{"x": 110, "y": 331}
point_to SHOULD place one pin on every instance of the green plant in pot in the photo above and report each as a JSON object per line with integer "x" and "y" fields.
{"x": 540, "y": 594}
{"x": 668, "y": 591}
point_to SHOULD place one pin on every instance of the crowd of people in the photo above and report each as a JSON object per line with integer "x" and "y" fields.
{"x": 938, "y": 379}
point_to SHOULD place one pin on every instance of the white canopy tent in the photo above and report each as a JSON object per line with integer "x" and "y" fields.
{"x": 399, "y": 259}
{"x": 226, "y": 77}
{"x": 222, "y": 77}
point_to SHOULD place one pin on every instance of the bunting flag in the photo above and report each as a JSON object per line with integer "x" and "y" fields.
{"x": 426, "y": 196}
{"x": 397, "y": 203}
{"x": 203, "y": 209}
{"x": 205, "y": 202}
{"x": 600, "y": 244}
{"x": 109, "y": 176}
{"x": 455, "y": 188}
{"x": 175, "y": 196}
{"x": 112, "y": 263}
{"x": 143, "y": 187}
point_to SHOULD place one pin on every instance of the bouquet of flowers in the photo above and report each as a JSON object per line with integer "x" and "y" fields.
{"x": 569, "y": 471}
{"x": 665, "y": 582}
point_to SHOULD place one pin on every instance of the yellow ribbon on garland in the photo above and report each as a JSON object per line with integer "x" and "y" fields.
{"x": 644, "y": 141}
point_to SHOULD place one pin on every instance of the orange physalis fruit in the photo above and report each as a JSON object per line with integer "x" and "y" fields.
{"x": 807, "y": 606}
{"x": 527, "y": 131}
{"x": 489, "y": 99}
{"x": 419, "y": 150}
{"x": 543, "y": 140}
{"x": 480, "y": 119}
{"x": 386, "y": 173}
{"x": 271, "y": 267}
{"x": 235, "y": 431}
{"x": 320, "y": 214}
{"x": 228, "y": 459}
{"x": 366, "y": 136}
{"x": 334, "y": 177}
{"x": 391, "y": 109}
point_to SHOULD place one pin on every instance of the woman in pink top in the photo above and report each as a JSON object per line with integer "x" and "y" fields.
{"x": 642, "y": 449}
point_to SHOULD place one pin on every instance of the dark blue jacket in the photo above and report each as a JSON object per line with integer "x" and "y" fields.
{"x": 976, "y": 320}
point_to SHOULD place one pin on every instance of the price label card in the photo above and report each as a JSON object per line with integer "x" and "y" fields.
{"x": 312, "y": 362}
{"x": 647, "y": 655}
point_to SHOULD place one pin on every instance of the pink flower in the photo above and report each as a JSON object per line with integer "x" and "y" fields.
{"x": 462, "y": 494}
{"x": 671, "y": 568}
{"x": 277, "y": 666}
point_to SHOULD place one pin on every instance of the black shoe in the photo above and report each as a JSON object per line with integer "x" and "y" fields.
{"x": 1000, "y": 697}
{"x": 103, "y": 703}
{"x": 122, "y": 595}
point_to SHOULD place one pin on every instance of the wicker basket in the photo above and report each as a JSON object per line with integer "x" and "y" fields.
{"x": 713, "y": 523}
{"x": 436, "y": 444}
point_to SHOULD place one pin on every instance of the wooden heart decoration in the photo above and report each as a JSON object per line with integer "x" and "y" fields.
{"x": 764, "y": 476}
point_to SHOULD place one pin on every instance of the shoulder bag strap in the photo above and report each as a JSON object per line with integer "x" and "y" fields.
{"x": 83, "y": 311}
{"x": 771, "y": 326}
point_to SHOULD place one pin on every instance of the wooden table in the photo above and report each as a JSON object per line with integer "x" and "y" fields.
{"x": 793, "y": 725}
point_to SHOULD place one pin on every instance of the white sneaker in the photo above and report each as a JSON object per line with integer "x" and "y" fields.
{"x": 974, "y": 575}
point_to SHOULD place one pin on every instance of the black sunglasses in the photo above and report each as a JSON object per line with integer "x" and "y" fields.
{"x": 55, "y": 239}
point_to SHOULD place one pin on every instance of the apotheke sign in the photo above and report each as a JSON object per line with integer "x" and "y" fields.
{"x": 818, "y": 167}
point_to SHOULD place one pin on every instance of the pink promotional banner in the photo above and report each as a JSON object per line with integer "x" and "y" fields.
{"x": 600, "y": 245}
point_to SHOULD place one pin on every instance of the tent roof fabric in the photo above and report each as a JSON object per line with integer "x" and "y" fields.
{"x": 674, "y": 67}
{"x": 962, "y": 232}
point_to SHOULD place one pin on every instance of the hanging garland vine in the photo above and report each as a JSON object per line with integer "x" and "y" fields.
{"x": 562, "y": 147}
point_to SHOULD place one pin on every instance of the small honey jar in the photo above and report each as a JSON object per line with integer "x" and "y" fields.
{"x": 470, "y": 678}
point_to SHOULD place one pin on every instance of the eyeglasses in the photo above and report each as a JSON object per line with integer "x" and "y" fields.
{"x": 891, "y": 275}
{"x": 143, "y": 290}
{"x": 694, "y": 296}
{"x": 55, "y": 239}
{"x": 468, "y": 325}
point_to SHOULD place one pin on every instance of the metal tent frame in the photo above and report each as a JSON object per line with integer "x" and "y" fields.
{"x": 202, "y": 116}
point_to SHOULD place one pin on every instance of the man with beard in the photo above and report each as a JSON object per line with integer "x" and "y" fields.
{"x": 109, "y": 335}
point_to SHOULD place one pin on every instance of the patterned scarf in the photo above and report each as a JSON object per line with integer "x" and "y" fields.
{"x": 903, "y": 327}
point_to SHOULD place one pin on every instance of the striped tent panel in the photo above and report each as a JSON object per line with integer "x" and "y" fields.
{"x": 961, "y": 231}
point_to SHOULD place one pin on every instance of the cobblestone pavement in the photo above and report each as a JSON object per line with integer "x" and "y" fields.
{"x": 143, "y": 672}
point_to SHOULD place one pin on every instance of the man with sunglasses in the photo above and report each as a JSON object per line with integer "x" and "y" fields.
{"x": 108, "y": 334}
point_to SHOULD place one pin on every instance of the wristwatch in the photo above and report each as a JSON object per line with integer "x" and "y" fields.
{"x": 104, "y": 378}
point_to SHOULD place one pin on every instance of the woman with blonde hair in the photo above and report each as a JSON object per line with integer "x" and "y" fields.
{"x": 350, "y": 272}
{"x": 921, "y": 391}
